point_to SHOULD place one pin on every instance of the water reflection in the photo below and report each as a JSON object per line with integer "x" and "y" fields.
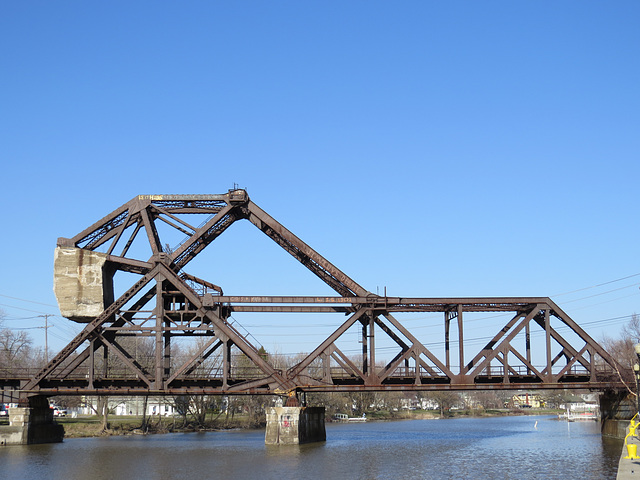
{"x": 474, "y": 448}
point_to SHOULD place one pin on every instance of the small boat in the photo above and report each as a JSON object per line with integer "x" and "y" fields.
{"x": 358, "y": 419}
{"x": 342, "y": 417}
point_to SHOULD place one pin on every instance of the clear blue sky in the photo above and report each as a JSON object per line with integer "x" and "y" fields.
{"x": 436, "y": 148}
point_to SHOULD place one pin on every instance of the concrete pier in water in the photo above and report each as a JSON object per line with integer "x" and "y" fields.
{"x": 31, "y": 425}
{"x": 295, "y": 425}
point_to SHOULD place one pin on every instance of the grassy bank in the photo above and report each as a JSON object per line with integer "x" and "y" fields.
{"x": 91, "y": 426}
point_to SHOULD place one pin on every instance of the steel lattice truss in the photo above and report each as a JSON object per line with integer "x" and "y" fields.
{"x": 166, "y": 304}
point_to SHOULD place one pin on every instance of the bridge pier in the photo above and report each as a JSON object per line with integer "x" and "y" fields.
{"x": 616, "y": 409}
{"x": 31, "y": 424}
{"x": 295, "y": 425}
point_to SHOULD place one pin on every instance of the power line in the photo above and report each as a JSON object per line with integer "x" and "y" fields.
{"x": 67, "y": 329}
{"x": 20, "y": 308}
{"x": 28, "y": 301}
{"x": 596, "y": 286}
{"x": 602, "y": 293}
{"x": 606, "y": 301}
{"x": 19, "y": 318}
{"x": 60, "y": 337}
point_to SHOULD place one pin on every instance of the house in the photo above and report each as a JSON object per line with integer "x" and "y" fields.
{"x": 527, "y": 400}
{"x": 131, "y": 406}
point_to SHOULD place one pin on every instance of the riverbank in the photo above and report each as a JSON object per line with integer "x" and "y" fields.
{"x": 432, "y": 414}
{"x": 91, "y": 426}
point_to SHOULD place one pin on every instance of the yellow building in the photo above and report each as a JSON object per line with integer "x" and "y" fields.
{"x": 526, "y": 400}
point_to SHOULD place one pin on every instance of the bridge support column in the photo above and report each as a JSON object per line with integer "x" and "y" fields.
{"x": 616, "y": 409}
{"x": 295, "y": 425}
{"x": 31, "y": 425}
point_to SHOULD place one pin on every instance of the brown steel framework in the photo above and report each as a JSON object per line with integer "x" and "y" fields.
{"x": 166, "y": 304}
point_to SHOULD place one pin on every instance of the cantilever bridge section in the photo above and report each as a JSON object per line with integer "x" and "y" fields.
{"x": 538, "y": 346}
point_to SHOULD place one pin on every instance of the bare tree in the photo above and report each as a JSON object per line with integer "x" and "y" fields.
{"x": 15, "y": 348}
{"x": 445, "y": 400}
{"x": 489, "y": 398}
{"x": 334, "y": 402}
{"x": 197, "y": 405}
{"x": 622, "y": 348}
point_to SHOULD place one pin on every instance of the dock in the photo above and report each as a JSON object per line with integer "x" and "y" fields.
{"x": 629, "y": 469}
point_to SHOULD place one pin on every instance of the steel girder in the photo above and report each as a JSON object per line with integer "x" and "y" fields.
{"x": 166, "y": 304}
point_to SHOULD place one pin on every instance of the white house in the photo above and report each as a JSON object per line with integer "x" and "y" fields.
{"x": 131, "y": 406}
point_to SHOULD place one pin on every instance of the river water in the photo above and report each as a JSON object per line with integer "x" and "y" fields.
{"x": 465, "y": 448}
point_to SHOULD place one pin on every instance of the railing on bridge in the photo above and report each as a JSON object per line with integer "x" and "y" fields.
{"x": 17, "y": 373}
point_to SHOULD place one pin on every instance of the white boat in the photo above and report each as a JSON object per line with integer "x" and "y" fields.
{"x": 357, "y": 419}
{"x": 342, "y": 417}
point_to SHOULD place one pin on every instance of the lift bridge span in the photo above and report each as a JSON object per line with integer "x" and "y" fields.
{"x": 168, "y": 305}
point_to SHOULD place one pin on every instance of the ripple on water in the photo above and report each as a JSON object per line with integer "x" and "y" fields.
{"x": 469, "y": 448}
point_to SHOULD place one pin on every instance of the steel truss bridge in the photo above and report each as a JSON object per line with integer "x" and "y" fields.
{"x": 167, "y": 305}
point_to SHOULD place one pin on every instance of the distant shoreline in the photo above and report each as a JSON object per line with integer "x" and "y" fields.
{"x": 91, "y": 426}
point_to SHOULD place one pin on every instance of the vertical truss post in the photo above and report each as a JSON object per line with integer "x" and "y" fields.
{"x": 547, "y": 329}
{"x": 167, "y": 349}
{"x": 505, "y": 365}
{"x": 527, "y": 340}
{"x": 365, "y": 341}
{"x": 460, "y": 339}
{"x": 372, "y": 349}
{"x": 91, "y": 372}
{"x": 326, "y": 367}
{"x": 447, "y": 323}
{"x": 158, "y": 333}
{"x": 449, "y": 315}
{"x": 105, "y": 361}
{"x": 226, "y": 364}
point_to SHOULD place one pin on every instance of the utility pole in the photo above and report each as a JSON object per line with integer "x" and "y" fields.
{"x": 46, "y": 336}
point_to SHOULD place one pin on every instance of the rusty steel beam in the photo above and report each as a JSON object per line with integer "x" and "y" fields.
{"x": 390, "y": 304}
{"x": 261, "y": 387}
{"x": 442, "y": 304}
{"x": 306, "y": 255}
{"x": 289, "y": 309}
{"x": 204, "y": 236}
{"x": 106, "y": 227}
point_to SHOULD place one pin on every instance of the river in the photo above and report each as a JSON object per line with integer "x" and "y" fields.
{"x": 464, "y": 448}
